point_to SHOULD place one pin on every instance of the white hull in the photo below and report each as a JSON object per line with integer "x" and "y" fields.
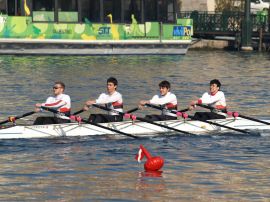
{"x": 138, "y": 128}
{"x": 97, "y": 47}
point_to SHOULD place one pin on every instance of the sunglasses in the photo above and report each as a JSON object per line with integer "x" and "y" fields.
{"x": 55, "y": 87}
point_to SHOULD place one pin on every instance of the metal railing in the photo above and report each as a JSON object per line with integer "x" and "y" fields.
{"x": 229, "y": 22}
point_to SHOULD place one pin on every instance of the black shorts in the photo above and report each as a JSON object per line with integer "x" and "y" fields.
{"x": 207, "y": 116}
{"x": 43, "y": 120}
{"x": 104, "y": 118}
{"x": 159, "y": 117}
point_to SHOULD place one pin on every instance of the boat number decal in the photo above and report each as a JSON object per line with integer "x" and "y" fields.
{"x": 40, "y": 127}
{"x": 104, "y": 30}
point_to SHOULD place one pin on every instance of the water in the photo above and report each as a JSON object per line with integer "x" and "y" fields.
{"x": 217, "y": 168}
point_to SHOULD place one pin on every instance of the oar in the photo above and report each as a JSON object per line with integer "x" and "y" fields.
{"x": 142, "y": 119}
{"x": 240, "y": 115}
{"x": 10, "y": 119}
{"x": 129, "y": 111}
{"x": 161, "y": 108}
{"x": 78, "y": 112}
{"x": 205, "y": 121}
{"x": 132, "y": 110}
{"x": 94, "y": 124}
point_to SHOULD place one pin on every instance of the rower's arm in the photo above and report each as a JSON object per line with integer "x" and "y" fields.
{"x": 104, "y": 99}
{"x": 217, "y": 101}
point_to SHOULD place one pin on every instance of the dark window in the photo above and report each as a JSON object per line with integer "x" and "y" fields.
{"x": 132, "y": 7}
{"x": 70, "y": 5}
{"x": 43, "y": 5}
{"x": 150, "y": 8}
{"x": 165, "y": 10}
{"x": 14, "y": 7}
{"x": 3, "y": 6}
{"x": 159, "y": 10}
{"x": 112, "y": 7}
{"x": 90, "y": 10}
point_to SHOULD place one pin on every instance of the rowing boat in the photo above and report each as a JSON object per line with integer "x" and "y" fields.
{"x": 136, "y": 128}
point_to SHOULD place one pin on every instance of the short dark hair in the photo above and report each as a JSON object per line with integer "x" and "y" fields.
{"x": 112, "y": 80}
{"x": 165, "y": 84}
{"x": 215, "y": 81}
{"x": 61, "y": 84}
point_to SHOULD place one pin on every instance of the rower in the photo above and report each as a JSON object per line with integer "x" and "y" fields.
{"x": 214, "y": 98}
{"x": 112, "y": 100}
{"x": 166, "y": 99}
{"x": 59, "y": 101}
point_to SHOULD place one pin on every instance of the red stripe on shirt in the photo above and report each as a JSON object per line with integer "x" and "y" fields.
{"x": 64, "y": 109}
{"x": 171, "y": 106}
{"x": 53, "y": 104}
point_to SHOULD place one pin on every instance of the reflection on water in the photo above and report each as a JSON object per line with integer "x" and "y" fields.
{"x": 224, "y": 168}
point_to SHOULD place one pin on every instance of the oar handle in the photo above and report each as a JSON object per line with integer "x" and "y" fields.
{"x": 18, "y": 117}
{"x": 161, "y": 108}
{"x": 211, "y": 108}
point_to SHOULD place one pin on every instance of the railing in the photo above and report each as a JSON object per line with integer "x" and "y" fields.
{"x": 229, "y": 22}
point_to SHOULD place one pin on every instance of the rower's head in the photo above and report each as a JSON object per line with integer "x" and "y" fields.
{"x": 111, "y": 85}
{"x": 164, "y": 87}
{"x": 214, "y": 86}
{"x": 58, "y": 87}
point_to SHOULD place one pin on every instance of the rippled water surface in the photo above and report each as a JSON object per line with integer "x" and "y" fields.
{"x": 210, "y": 168}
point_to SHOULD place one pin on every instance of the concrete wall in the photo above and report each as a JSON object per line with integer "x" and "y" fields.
{"x": 199, "y": 5}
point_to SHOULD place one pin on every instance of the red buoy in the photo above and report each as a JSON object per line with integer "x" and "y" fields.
{"x": 152, "y": 163}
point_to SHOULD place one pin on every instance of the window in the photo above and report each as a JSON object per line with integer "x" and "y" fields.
{"x": 43, "y": 5}
{"x": 71, "y": 5}
{"x": 132, "y": 7}
{"x": 112, "y": 7}
{"x": 14, "y": 7}
{"x": 150, "y": 10}
{"x": 159, "y": 10}
{"x": 90, "y": 10}
{"x": 165, "y": 11}
{"x": 67, "y": 11}
{"x": 3, "y": 6}
{"x": 43, "y": 10}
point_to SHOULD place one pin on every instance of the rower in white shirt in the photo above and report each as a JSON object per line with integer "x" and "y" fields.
{"x": 112, "y": 100}
{"x": 214, "y": 98}
{"x": 165, "y": 99}
{"x": 60, "y": 101}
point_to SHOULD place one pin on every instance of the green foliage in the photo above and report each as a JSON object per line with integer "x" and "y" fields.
{"x": 229, "y": 5}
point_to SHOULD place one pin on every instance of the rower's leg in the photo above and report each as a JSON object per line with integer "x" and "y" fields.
{"x": 155, "y": 117}
{"x": 58, "y": 120}
{"x": 44, "y": 120}
{"x": 98, "y": 118}
{"x": 170, "y": 117}
{"x": 207, "y": 116}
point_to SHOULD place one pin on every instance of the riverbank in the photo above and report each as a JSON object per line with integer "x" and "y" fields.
{"x": 213, "y": 44}
{"x": 228, "y": 43}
